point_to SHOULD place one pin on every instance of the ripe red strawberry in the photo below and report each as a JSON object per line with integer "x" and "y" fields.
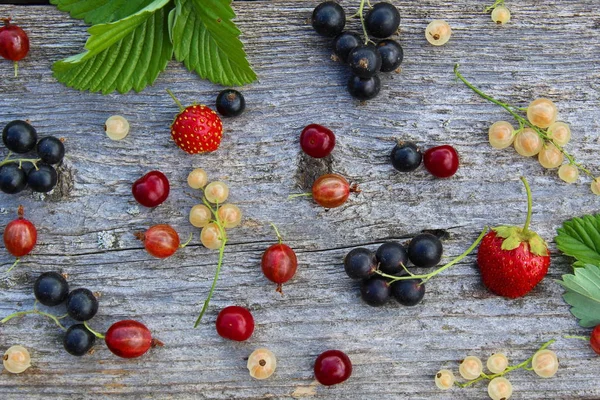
{"x": 196, "y": 129}
{"x": 511, "y": 259}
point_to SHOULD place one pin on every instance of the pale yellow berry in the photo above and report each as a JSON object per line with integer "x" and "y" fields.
{"x": 568, "y": 173}
{"x": 197, "y": 179}
{"x": 501, "y": 135}
{"x": 560, "y": 132}
{"x": 261, "y": 363}
{"x": 438, "y": 32}
{"x": 116, "y": 127}
{"x": 444, "y": 379}
{"x": 528, "y": 143}
{"x": 216, "y": 192}
{"x": 501, "y": 15}
{"x": 542, "y": 112}
{"x": 497, "y": 363}
{"x": 230, "y": 215}
{"x": 470, "y": 368}
{"x": 545, "y": 363}
{"x": 595, "y": 186}
{"x": 550, "y": 156}
{"x": 211, "y": 237}
{"x": 500, "y": 388}
{"x": 16, "y": 359}
{"x": 200, "y": 216}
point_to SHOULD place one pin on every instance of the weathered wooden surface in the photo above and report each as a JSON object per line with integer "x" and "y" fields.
{"x": 86, "y": 226}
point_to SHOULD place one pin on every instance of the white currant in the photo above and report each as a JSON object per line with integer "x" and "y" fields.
{"x": 528, "y": 143}
{"x": 500, "y": 388}
{"x": 542, "y": 112}
{"x": 545, "y": 363}
{"x": 230, "y": 215}
{"x": 438, "y": 32}
{"x": 470, "y": 368}
{"x": 16, "y": 359}
{"x": 216, "y": 192}
{"x": 560, "y": 133}
{"x": 444, "y": 379}
{"x": 210, "y": 236}
{"x": 200, "y": 216}
{"x": 595, "y": 186}
{"x": 262, "y": 363}
{"x": 501, "y": 15}
{"x": 497, "y": 363}
{"x": 550, "y": 156}
{"x": 197, "y": 179}
{"x": 116, "y": 127}
{"x": 501, "y": 134}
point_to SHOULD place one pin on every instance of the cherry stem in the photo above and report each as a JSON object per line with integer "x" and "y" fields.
{"x": 97, "y": 334}
{"x": 496, "y": 4}
{"x": 293, "y": 196}
{"x": 426, "y": 277}
{"x": 276, "y": 232}
{"x": 586, "y": 338}
{"x": 529, "y": 204}
{"x": 181, "y": 107}
{"x": 523, "y": 365}
{"x": 35, "y": 311}
{"x": 14, "y": 265}
{"x": 181, "y": 246}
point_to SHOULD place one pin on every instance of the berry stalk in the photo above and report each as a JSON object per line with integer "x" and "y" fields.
{"x": 36, "y": 311}
{"x": 491, "y": 8}
{"x": 8, "y": 160}
{"x": 97, "y": 334}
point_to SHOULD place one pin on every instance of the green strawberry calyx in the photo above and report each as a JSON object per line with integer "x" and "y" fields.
{"x": 515, "y": 235}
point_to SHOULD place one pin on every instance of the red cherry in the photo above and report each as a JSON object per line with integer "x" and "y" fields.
{"x": 14, "y": 43}
{"x": 332, "y": 367}
{"x": 317, "y": 141}
{"x": 151, "y": 189}
{"x": 161, "y": 241}
{"x": 331, "y": 190}
{"x": 595, "y": 339}
{"x": 20, "y": 236}
{"x": 235, "y": 323}
{"x": 129, "y": 339}
{"x": 441, "y": 161}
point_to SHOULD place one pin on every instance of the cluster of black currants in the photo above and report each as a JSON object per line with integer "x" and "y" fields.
{"x": 38, "y": 173}
{"x": 365, "y": 58}
{"x": 386, "y": 272}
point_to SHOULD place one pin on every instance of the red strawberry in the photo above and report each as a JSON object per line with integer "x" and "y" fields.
{"x": 512, "y": 260}
{"x": 196, "y": 129}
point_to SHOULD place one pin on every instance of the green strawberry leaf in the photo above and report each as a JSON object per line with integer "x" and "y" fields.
{"x": 100, "y": 11}
{"x": 122, "y": 55}
{"x": 583, "y": 294}
{"x": 206, "y": 40}
{"x": 580, "y": 238}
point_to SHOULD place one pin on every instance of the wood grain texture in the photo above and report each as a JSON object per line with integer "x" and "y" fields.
{"x": 86, "y": 225}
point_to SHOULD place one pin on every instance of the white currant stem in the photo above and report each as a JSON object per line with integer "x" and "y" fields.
{"x": 491, "y": 8}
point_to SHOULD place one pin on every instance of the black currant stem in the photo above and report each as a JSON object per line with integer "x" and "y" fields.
{"x": 181, "y": 107}
{"x": 35, "y": 311}
{"x": 14, "y": 265}
{"x": 586, "y": 338}
{"x": 491, "y": 8}
{"x": 277, "y": 232}
{"x": 9, "y": 160}
{"x": 426, "y": 277}
{"x": 97, "y": 334}
{"x": 523, "y": 365}
{"x": 529, "y": 204}
{"x": 362, "y": 19}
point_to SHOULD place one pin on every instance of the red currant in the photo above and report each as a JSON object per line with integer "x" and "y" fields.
{"x": 595, "y": 339}
{"x": 20, "y": 236}
{"x": 151, "y": 189}
{"x": 235, "y": 323}
{"x": 441, "y": 161}
{"x": 331, "y": 190}
{"x": 161, "y": 241}
{"x": 317, "y": 141}
{"x": 332, "y": 367}
{"x": 129, "y": 339}
{"x": 14, "y": 43}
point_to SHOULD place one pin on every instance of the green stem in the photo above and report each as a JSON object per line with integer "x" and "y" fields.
{"x": 14, "y": 265}
{"x": 496, "y": 4}
{"x": 277, "y": 232}
{"x": 427, "y": 277}
{"x": 362, "y": 20}
{"x": 34, "y": 311}
{"x": 181, "y": 246}
{"x": 97, "y": 334}
{"x": 16, "y": 63}
{"x": 9, "y": 160}
{"x": 586, "y": 338}
{"x": 529, "y": 205}
{"x": 293, "y": 196}
{"x": 181, "y": 107}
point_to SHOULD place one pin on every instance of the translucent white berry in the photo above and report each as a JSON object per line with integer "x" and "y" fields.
{"x": 568, "y": 173}
{"x": 200, "y": 216}
{"x": 470, "y": 368}
{"x": 500, "y": 388}
{"x": 560, "y": 132}
{"x": 550, "y": 156}
{"x": 210, "y": 236}
{"x": 197, "y": 179}
{"x": 444, "y": 379}
{"x": 216, "y": 192}
{"x": 545, "y": 363}
{"x": 16, "y": 359}
{"x": 116, "y": 127}
{"x": 497, "y": 363}
{"x": 595, "y": 186}
{"x": 542, "y": 112}
{"x": 230, "y": 215}
{"x": 261, "y": 363}
{"x": 528, "y": 143}
{"x": 501, "y": 15}
{"x": 501, "y": 134}
{"x": 438, "y": 32}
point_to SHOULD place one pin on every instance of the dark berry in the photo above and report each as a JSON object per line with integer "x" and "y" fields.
{"x": 19, "y": 137}
{"x": 360, "y": 263}
{"x": 391, "y": 55}
{"x": 344, "y": 43}
{"x": 13, "y": 178}
{"x": 391, "y": 257}
{"x": 43, "y": 179}
{"x": 406, "y": 156}
{"x": 408, "y": 292}
{"x": 317, "y": 141}
{"x": 50, "y": 149}
{"x": 332, "y": 367}
{"x": 425, "y": 250}
{"x": 441, "y": 161}
{"x": 364, "y": 61}
{"x": 50, "y": 289}
{"x": 382, "y": 20}
{"x": 375, "y": 291}
{"x": 78, "y": 340}
{"x": 82, "y": 305}
{"x": 328, "y": 18}
{"x": 230, "y": 103}
{"x": 364, "y": 89}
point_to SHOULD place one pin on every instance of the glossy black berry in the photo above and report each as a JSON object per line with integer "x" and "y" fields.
{"x": 382, "y": 20}
{"x": 82, "y": 305}
{"x": 43, "y": 179}
{"x": 328, "y": 18}
{"x": 230, "y": 103}
{"x": 391, "y": 55}
{"x": 78, "y": 340}
{"x": 364, "y": 61}
{"x": 375, "y": 291}
{"x": 50, "y": 289}
{"x": 344, "y": 43}
{"x": 50, "y": 149}
{"x": 391, "y": 256}
{"x": 406, "y": 156}
{"x": 19, "y": 137}
{"x": 425, "y": 250}
{"x": 408, "y": 292}
{"x": 13, "y": 179}
{"x": 364, "y": 89}
{"x": 360, "y": 263}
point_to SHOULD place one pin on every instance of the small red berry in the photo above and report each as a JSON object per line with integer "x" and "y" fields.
{"x": 129, "y": 339}
{"x": 441, "y": 161}
{"x": 151, "y": 189}
{"x": 317, "y": 141}
{"x": 20, "y": 236}
{"x": 595, "y": 339}
{"x": 235, "y": 323}
{"x": 14, "y": 43}
{"x": 331, "y": 190}
{"x": 332, "y": 367}
{"x": 161, "y": 240}
{"x": 279, "y": 263}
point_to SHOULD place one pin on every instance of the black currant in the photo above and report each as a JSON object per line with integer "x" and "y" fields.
{"x": 328, "y": 18}
{"x": 408, "y": 292}
{"x": 364, "y": 61}
{"x": 360, "y": 263}
{"x": 82, "y": 305}
{"x": 19, "y": 137}
{"x": 230, "y": 103}
{"x": 344, "y": 43}
{"x": 425, "y": 250}
{"x": 375, "y": 291}
{"x": 43, "y": 179}
{"x": 391, "y": 256}
{"x": 364, "y": 89}
{"x": 78, "y": 340}
{"x": 391, "y": 54}
{"x": 406, "y": 156}
{"x": 50, "y": 149}
{"x": 382, "y": 20}
{"x": 13, "y": 178}
{"x": 50, "y": 289}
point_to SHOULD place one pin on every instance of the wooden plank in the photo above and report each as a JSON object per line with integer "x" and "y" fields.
{"x": 86, "y": 226}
